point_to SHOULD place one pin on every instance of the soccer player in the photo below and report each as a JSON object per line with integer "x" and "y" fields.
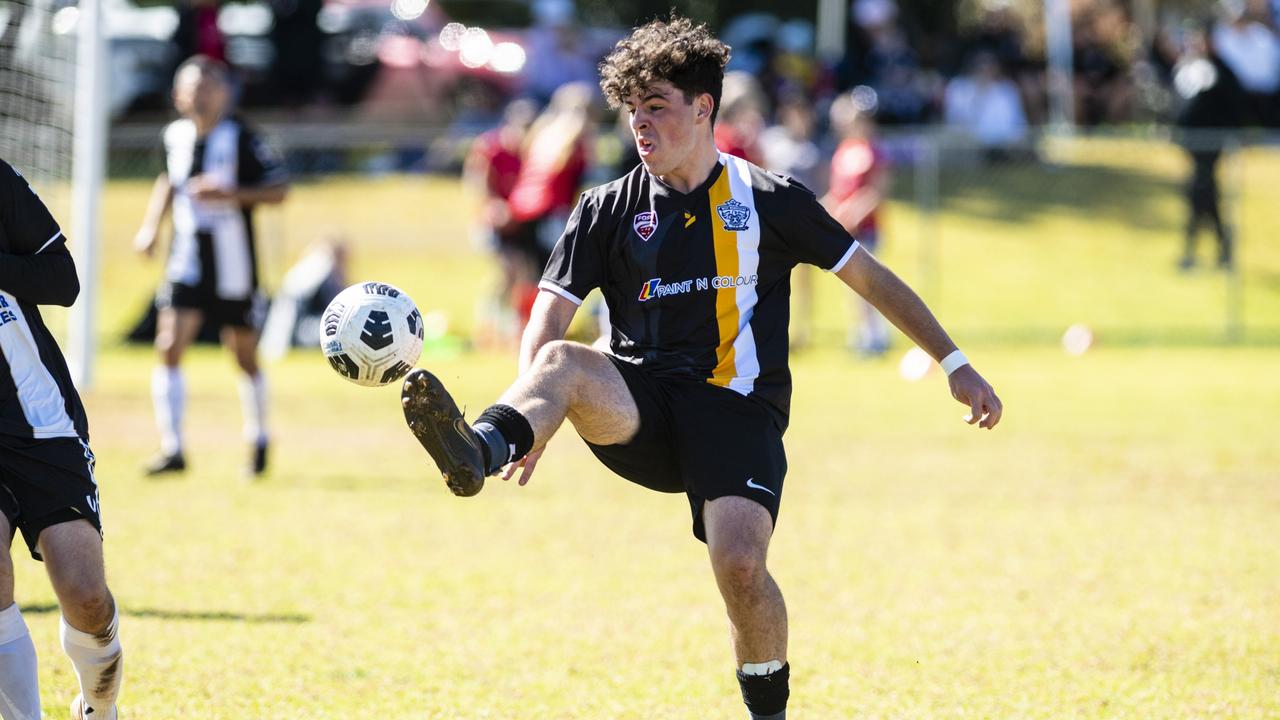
{"x": 47, "y": 485}
{"x": 217, "y": 169}
{"x": 692, "y": 250}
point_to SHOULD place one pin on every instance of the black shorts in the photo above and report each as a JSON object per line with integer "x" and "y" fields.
{"x": 699, "y": 439}
{"x": 44, "y": 482}
{"x": 244, "y": 313}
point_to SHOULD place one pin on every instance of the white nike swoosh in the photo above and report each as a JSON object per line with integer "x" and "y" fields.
{"x": 756, "y": 486}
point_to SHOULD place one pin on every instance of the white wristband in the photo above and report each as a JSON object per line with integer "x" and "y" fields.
{"x": 953, "y": 362}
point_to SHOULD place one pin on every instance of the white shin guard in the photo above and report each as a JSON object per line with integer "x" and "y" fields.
{"x": 99, "y": 664}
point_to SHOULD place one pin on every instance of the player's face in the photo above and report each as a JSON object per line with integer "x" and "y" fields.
{"x": 199, "y": 95}
{"x": 667, "y": 127}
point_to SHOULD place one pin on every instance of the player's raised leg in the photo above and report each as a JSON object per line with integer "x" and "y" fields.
{"x": 176, "y": 328}
{"x": 19, "y": 684}
{"x": 242, "y": 342}
{"x": 738, "y": 532}
{"x": 565, "y": 380}
{"x": 72, "y": 553}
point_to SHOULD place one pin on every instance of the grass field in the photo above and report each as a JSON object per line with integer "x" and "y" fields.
{"x": 1110, "y": 551}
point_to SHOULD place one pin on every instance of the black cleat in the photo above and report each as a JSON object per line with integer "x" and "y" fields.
{"x": 166, "y": 464}
{"x": 435, "y": 420}
{"x": 257, "y": 460}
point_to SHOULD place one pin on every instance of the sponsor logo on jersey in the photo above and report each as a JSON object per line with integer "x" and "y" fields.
{"x": 645, "y": 224}
{"x": 734, "y": 215}
{"x": 655, "y": 288}
{"x": 6, "y": 312}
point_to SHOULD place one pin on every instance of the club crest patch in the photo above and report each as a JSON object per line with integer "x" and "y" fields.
{"x": 645, "y": 224}
{"x": 734, "y": 215}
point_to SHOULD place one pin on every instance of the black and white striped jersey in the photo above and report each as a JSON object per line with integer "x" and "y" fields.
{"x": 698, "y": 284}
{"x": 213, "y": 243}
{"x": 37, "y": 397}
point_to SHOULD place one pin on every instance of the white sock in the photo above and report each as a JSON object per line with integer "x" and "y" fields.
{"x": 99, "y": 664}
{"x": 169, "y": 395}
{"x": 19, "y": 682}
{"x": 253, "y": 402}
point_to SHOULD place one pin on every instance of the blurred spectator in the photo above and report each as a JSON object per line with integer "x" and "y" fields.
{"x": 789, "y": 148}
{"x": 490, "y": 172}
{"x": 859, "y": 184}
{"x": 1000, "y": 32}
{"x": 297, "y": 41}
{"x": 986, "y": 105}
{"x": 795, "y": 69}
{"x": 741, "y": 118}
{"x": 556, "y": 52}
{"x": 890, "y": 66}
{"x": 1213, "y": 102}
{"x": 1104, "y": 90}
{"x": 197, "y": 32}
{"x": 553, "y": 164}
{"x": 1251, "y": 49}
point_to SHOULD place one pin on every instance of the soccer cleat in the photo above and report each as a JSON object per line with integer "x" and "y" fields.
{"x": 438, "y": 424}
{"x": 80, "y": 711}
{"x": 257, "y": 460}
{"x": 165, "y": 464}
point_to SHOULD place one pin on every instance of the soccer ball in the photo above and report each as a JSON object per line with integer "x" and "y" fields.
{"x": 371, "y": 334}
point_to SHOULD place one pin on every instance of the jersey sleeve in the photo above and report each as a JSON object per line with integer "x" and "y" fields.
{"x": 576, "y": 266}
{"x": 812, "y": 235}
{"x": 29, "y": 226}
{"x": 258, "y": 163}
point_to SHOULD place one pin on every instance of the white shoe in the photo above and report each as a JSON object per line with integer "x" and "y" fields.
{"x": 80, "y": 712}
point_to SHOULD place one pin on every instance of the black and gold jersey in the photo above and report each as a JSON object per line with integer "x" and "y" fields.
{"x": 698, "y": 284}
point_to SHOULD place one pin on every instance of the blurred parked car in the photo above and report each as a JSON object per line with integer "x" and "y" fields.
{"x": 139, "y": 54}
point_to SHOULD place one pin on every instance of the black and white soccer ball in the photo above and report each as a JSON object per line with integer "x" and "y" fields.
{"x": 371, "y": 334}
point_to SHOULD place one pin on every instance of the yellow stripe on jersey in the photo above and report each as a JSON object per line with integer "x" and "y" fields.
{"x": 726, "y": 250}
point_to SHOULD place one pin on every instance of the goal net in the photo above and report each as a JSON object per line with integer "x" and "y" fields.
{"x": 37, "y": 83}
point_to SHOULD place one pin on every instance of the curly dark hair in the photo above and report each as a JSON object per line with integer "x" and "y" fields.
{"x": 674, "y": 50}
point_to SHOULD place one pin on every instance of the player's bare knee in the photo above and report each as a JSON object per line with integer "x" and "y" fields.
{"x": 562, "y": 358}
{"x": 739, "y": 568}
{"x": 86, "y": 603}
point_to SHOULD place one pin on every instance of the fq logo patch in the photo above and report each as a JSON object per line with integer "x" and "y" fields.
{"x": 645, "y": 224}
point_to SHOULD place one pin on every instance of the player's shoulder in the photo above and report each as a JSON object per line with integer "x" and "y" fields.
{"x": 615, "y": 197}
{"x": 11, "y": 177}
{"x": 771, "y": 189}
{"x": 178, "y": 131}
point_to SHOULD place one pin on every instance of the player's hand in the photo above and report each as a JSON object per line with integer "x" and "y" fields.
{"x": 203, "y": 187}
{"x": 528, "y": 463}
{"x": 968, "y": 387}
{"x": 144, "y": 243}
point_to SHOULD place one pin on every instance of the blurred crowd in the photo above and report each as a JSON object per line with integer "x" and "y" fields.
{"x": 442, "y": 60}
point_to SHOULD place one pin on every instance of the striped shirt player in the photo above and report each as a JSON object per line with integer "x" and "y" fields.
{"x": 40, "y": 411}
{"x": 47, "y": 485}
{"x": 216, "y": 171}
{"x": 212, "y": 263}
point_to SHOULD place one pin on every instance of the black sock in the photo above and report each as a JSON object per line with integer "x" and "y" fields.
{"x": 766, "y": 695}
{"x": 506, "y": 434}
